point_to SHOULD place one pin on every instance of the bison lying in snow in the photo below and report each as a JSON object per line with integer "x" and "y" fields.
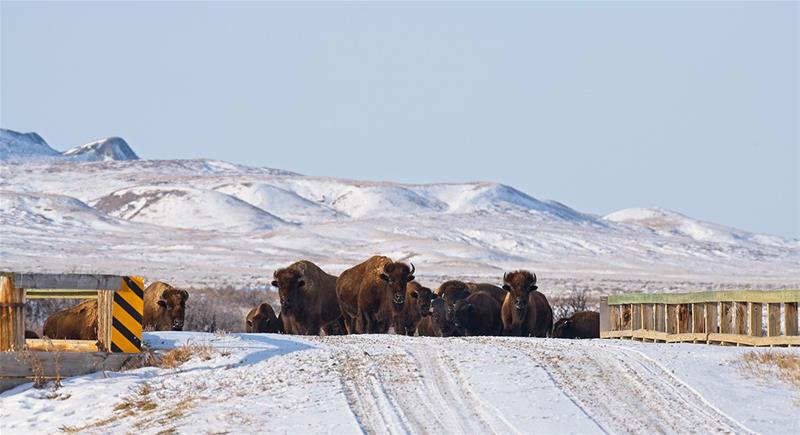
{"x": 525, "y": 311}
{"x": 583, "y": 324}
{"x": 308, "y": 300}
{"x": 417, "y": 306}
{"x": 164, "y": 310}
{"x": 478, "y": 314}
{"x": 262, "y": 319}
{"x": 372, "y": 293}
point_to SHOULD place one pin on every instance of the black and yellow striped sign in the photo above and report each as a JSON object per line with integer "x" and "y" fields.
{"x": 127, "y": 315}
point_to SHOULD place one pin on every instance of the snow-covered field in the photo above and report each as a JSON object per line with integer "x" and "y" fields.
{"x": 213, "y": 223}
{"x": 395, "y": 384}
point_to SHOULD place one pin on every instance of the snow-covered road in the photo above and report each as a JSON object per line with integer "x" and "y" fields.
{"x": 397, "y": 384}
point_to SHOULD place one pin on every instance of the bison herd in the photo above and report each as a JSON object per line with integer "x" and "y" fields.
{"x": 369, "y": 298}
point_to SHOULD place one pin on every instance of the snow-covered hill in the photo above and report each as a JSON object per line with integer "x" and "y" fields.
{"x": 112, "y": 148}
{"x": 27, "y": 147}
{"x": 207, "y": 222}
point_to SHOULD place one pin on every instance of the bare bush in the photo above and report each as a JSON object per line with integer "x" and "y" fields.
{"x": 223, "y": 309}
{"x": 570, "y": 303}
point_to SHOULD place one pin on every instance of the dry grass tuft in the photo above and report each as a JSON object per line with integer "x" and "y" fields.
{"x": 776, "y": 365}
{"x": 176, "y": 357}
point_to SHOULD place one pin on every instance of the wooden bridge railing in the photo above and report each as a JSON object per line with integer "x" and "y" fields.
{"x": 724, "y": 317}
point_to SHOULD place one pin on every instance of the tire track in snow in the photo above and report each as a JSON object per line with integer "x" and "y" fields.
{"x": 623, "y": 391}
{"x": 413, "y": 388}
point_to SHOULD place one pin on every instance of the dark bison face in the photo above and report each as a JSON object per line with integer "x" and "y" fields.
{"x": 171, "y": 309}
{"x": 464, "y": 313}
{"x": 519, "y": 284}
{"x": 262, "y": 319}
{"x": 452, "y": 292}
{"x": 423, "y": 295}
{"x": 563, "y": 329}
{"x": 438, "y": 315}
{"x": 290, "y": 284}
{"x": 397, "y": 275}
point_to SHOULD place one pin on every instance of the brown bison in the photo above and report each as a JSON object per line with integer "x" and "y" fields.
{"x": 417, "y": 306}
{"x": 583, "y": 324}
{"x": 451, "y": 292}
{"x": 164, "y": 310}
{"x": 308, "y": 300}
{"x": 262, "y": 319}
{"x": 478, "y": 314}
{"x": 436, "y": 324}
{"x": 525, "y": 311}
{"x": 31, "y": 334}
{"x": 372, "y": 293}
{"x": 492, "y": 290}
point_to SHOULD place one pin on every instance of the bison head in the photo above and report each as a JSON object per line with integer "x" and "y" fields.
{"x": 262, "y": 319}
{"x": 564, "y": 328}
{"x": 171, "y": 309}
{"x": 452, "y": 292}
{"x": 397, "y": 275}
{"x": 519, "y": 284}
{"x": 464, "y": 313}
{"x": 290, "y": 283}
{"x": 438, "y": 316}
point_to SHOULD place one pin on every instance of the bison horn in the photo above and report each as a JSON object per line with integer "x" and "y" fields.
{"x": 505, "y": 275}
{"x": 412, "y": 269}
{"x": 534, "y": 278}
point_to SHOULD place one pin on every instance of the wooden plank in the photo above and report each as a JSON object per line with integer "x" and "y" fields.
{"x": 648, "y": 321}
{"x": 760, "y": 296}
{"x": 754, "y": 315}
{"x": 683, "y": 318}
{"x": 725, "y": 318}
{"x": 19, "y": 364}
{"x": 711, "y": 317}
{"x": 12, "y": 315}
{"x": 740, "y": 318}
{"x": 790, "y": 318}
{"x": 62, "y": 345}
{"x": 717, "y": 338}
{"x": 672, "y": 319}
{"x": 615, "y": 318}
{"x": 105, "y": 303}
{"x": 77, "y": 281}
{"x": 686, "y": 337}
{"x": 773, "y": 320}
{"x": 661, "y": 317}
{"x": 60, "y": 294}
{"x": 7, "y": 384}
{"x": 605, "y": 315}
{"x": 755, "y": 341}
{"x": 698, "y": 318}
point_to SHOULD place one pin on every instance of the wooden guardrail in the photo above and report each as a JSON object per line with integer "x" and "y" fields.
{"x": 747, "y": 318}
{"x": 119, "y": 309}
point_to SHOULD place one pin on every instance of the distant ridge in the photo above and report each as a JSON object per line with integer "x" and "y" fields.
{"x": 30, "y": 147}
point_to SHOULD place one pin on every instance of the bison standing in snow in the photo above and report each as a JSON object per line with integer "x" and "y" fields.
{"x": 164, "y": 310}
{"x": 417, "y": 306}
{"x": 525, "y": 311}
{"x": 372, "y": 293}
{"x": 583, "y": 324}
{"x": 262, "y": 319}
{"x": 308, "y": 300}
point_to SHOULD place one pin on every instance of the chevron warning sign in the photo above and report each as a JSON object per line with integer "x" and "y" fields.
{"x": 127, "y": 314}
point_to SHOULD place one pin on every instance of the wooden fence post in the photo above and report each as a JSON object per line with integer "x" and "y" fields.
{"x": 740, "y": 318}
{"x": 672, "y": 319}
{"x": 647, "y": 317}
{"x": 712, "y": 322}
{"x": 725, "y": 324}
{"x": 636, "y": 321}
{"x": 605, "y": 315}
{"x": 698, "y": 321}
{"x": 683, "y": 318}
{"x": 773, "y": 320}
{"x": 754, "y": 313}
{"x": 661, "y": 317}
{"x": 12, "y": 314}
{"x": 615, "y": 317}
{"x": 105, "y": 305}
{"x": 790, "y": 318}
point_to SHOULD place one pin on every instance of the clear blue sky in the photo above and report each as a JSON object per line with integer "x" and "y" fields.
{"x": 691, "y": 107}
